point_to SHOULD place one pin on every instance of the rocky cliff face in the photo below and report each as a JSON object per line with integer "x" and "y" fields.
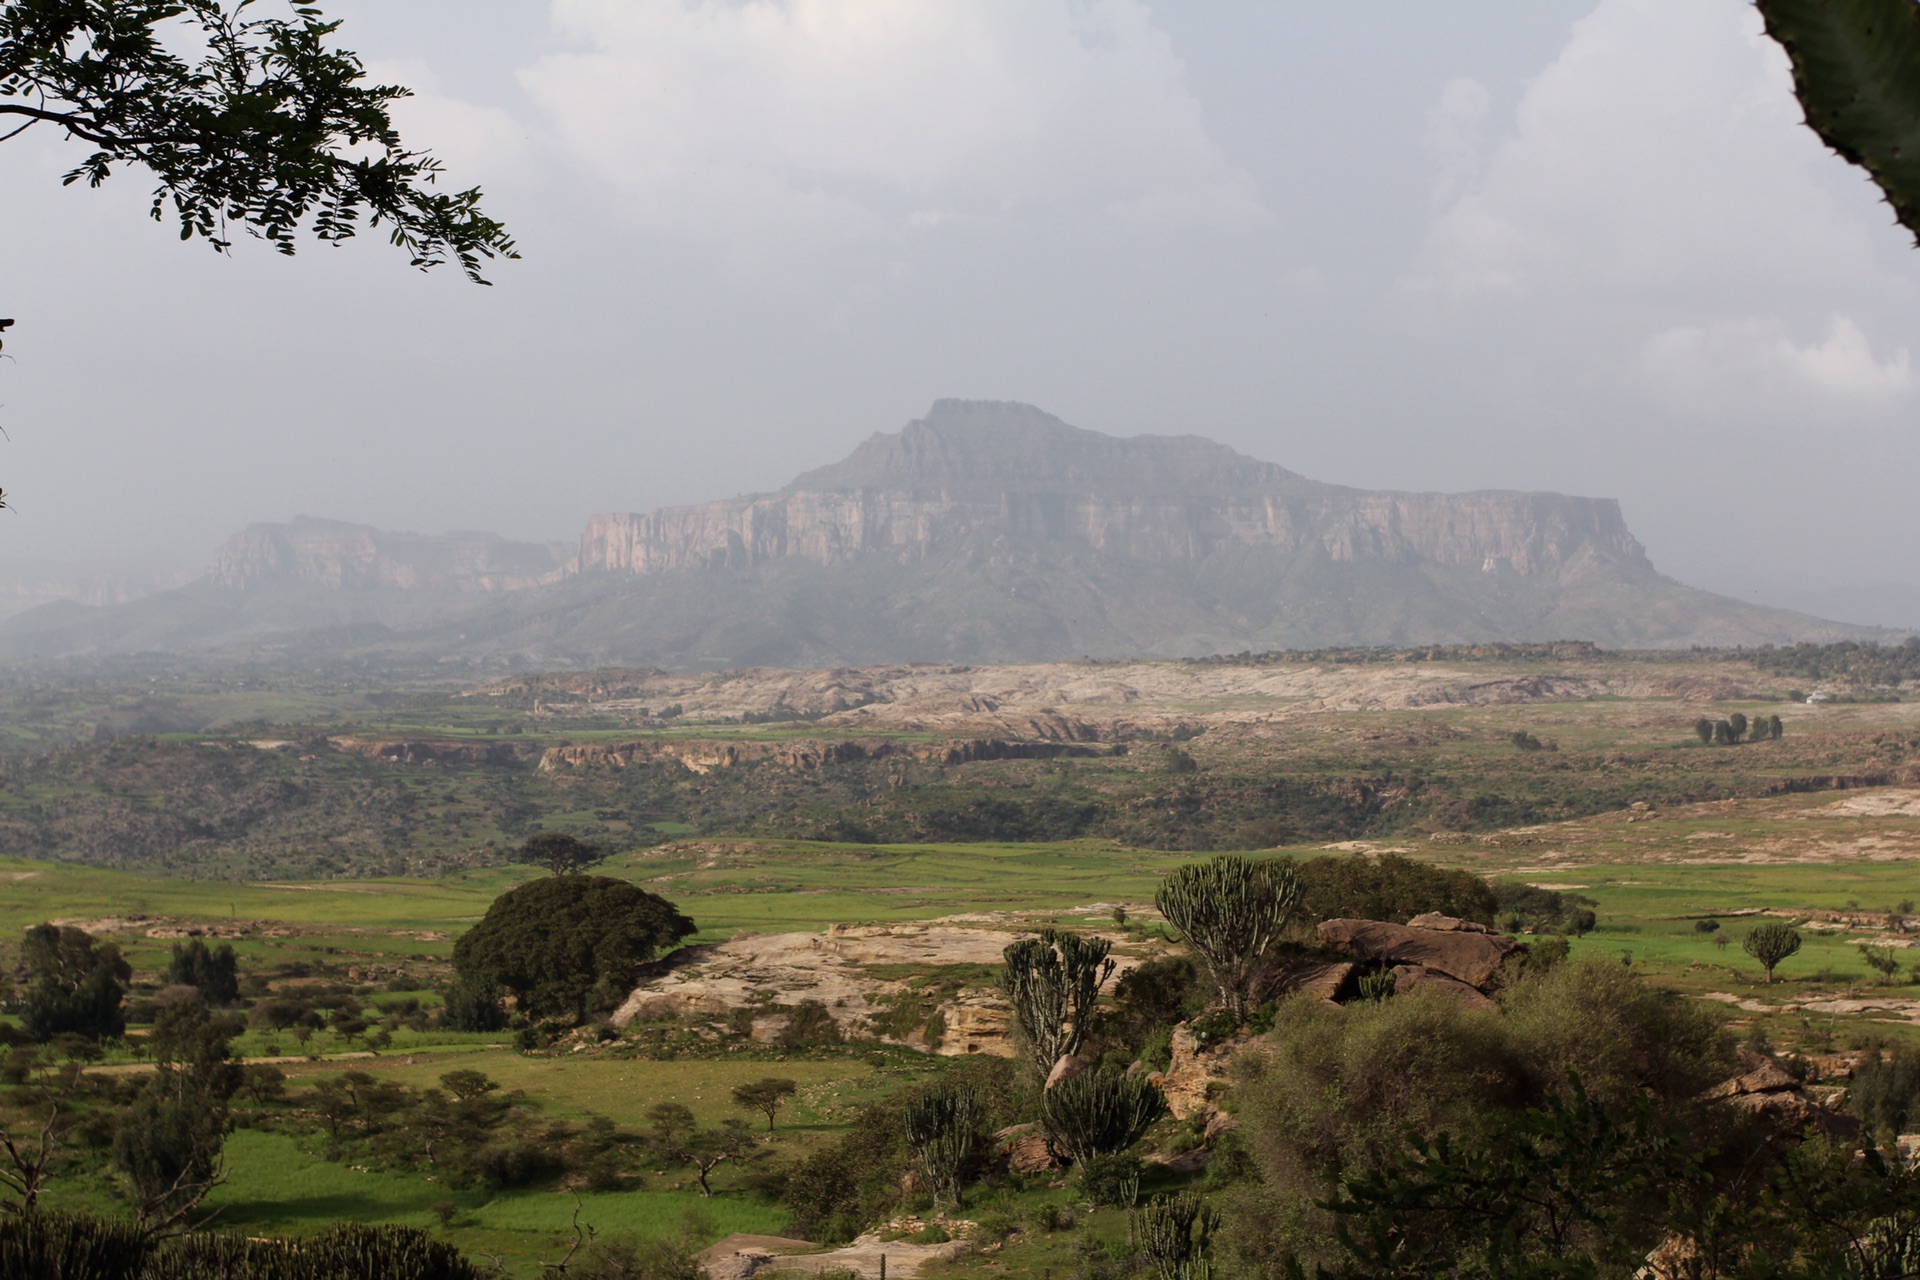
{"x": 339, "y": 556}
{"x": 986, "y": 468}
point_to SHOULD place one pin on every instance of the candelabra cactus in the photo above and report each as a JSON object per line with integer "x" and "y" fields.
{"x": 1052, "y": 983}
{"x": 1231, "y": 910}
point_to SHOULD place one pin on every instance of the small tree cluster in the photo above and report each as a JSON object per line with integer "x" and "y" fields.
{"x": 212, "y": 971}
{"x": 1736, "y": 729}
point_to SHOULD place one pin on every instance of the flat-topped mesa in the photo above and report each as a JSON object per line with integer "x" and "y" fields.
{"x": 342, "y": 556}
{"x": 974, "y": 468}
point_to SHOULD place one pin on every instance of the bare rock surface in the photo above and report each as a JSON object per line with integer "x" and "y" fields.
{"x": 1192, "y": 1073}
{"x": 1413, "y": 977}
{"x": 771, "y": 973}
{"x": 1472, "y": 958}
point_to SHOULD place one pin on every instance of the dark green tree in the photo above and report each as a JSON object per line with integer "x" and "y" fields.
{"x": 1703, "y": 730}
{"x": 767, "y": 1096}
{"x": 1775, "y": 728}
{"x": 1053, "y": 982}
{"x": 169, "y": 1142}
{"x": 1737, "y": 723}
{"x": 74, "y": 985}
{"x": 1771, "y": 943}
{"x": 242, "y": 120}
{"x": 214, "y": 971}
{"x": 1231, "y": 910}
{"x": 558, "y": 852}
{"x": 473, "y": 1004}
{"x": 569, "y": 945}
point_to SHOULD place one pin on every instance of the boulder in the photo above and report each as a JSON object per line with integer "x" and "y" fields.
{"x": 1446, "y": 924}
{"x": 1222, "y": 1124}
{"x": 1187, "y": 1163}
{"x": 1067, "y": 1068}
{"x": 1470, "y": 957}
{"x": 1766, "y": 1090}
{"x": 1322, "y": 978}
{"x": 1410, "y": 977}
{"x": 1026, "y": 1149}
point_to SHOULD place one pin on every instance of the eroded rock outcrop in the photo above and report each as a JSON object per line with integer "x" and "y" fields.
{"x": 1467, "y": 953}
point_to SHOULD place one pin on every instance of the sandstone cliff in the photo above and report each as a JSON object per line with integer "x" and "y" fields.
{"x": 990, "y": 468}
{"x": 334, "y": 555}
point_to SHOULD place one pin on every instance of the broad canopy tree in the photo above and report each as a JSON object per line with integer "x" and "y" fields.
{"x": 568, "y": 945}
{"x": 245, "y": 120}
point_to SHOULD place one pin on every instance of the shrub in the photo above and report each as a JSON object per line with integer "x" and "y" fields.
{"x": 473, "y": 1003}
{"x": 1390, "y": 887}
{"x": 809, "y": 1023}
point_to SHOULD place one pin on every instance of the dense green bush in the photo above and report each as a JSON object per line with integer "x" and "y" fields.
{"x": 569, "y": 944}
{"x": 1391, "y": 887}
{"x": 1335, "y": 1092}
{"x": 1885, "y": 1090}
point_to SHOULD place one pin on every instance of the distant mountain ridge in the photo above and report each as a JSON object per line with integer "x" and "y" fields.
{"x": 986, "y": 531}
{"x": 997, "y": 468}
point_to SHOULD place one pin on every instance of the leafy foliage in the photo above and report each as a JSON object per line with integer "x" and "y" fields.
{"x": 473, "y": 1004}
{"x": 569, "y": 944}
{"x": 767, "y": 1096}
{"x": 1392, "y": 887}
{"x": 75, "y": 984}
{"x": 272, "y": 128}
{"x": 558, "y": 852}
{"x": 214, "y": 972}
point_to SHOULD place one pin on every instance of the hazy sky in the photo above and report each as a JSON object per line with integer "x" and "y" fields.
{"x": 1573, "y": 246}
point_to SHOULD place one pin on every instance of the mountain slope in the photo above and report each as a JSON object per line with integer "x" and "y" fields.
{"x": 986, "y": 531}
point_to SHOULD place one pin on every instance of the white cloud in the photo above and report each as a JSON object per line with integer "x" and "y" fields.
{"x": 804, "y": 119}
{"x": 1753, "y": 365}
{"x": 1663, "y": 147}
{"x": 469, "y": 138}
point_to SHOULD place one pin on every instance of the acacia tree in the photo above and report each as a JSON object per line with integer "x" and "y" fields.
{"x": 1771, "y": 943}
{"x": 558, "y": 852}
{"x": 766, "y": 1096}
{"x": 260, "y": 122}
{"x": 677, "y": 1137}
{"x": 1231, "y": 910}
{"x": 1052, "y": 983}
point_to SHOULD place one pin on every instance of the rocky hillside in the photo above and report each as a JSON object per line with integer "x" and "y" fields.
{"x": 974, "y": 469}
{"x": 334, "y": 555}
{"x": 985, "y": 532}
